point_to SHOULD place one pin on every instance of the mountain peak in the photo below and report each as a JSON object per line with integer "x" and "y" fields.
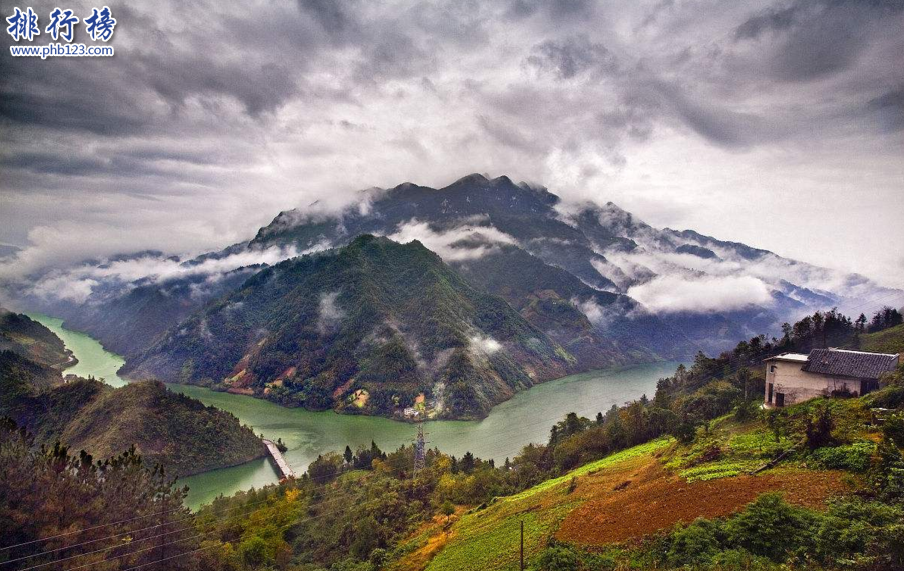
{"x": 473, "y": 178}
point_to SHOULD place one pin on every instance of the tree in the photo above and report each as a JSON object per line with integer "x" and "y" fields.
{"x": 325, "y": 467}
{"x": 467, "y": 463}
{"x": 743, "y": 381}
{"x": 348, "y": 455}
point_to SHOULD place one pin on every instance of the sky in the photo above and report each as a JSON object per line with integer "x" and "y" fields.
{"x": 778, "y": 124}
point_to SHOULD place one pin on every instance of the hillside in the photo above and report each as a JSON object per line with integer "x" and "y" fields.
{"x": 28, "y": 338}
{"x": 615, "y": 510}
{"x": 890, "y": 340}
{"x": 814, "y": 486}
{"x": 698, "y": 477}
{"x": 176, "y": 431}
{"x": 376, "y": 316}
{"x": 84, "y": 414}
{"x": 130, "y": 321}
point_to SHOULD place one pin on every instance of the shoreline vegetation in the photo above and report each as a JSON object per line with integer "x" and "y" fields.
{"x": 834, "y": 501}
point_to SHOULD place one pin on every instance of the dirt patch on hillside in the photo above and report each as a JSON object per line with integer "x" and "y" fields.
{"x": 652, "y": 499}
{"x": 438, "y": 532}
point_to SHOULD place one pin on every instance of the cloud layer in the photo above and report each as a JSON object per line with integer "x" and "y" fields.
{"x": 675, "y": 294}
{"x": 774, "y": 124}
{"x": 457, "y": 244}
{"x": 77, "y": 284}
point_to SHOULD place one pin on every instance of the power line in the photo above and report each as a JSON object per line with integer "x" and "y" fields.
{"x": 170, "y": 557}
{"x": 136, "y": 531}
{"x": 204, "y": 534}
{"x": 127, "y": 532}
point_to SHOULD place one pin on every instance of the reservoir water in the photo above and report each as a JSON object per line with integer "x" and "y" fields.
{"x": 510, "y": 426}
{"x": 93, "y": 359}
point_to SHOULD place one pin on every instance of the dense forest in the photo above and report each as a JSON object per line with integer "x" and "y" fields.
{"x": 367, "y": 509}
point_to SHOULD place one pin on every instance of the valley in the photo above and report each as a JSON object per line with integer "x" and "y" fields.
{"x": 509, "y": 426}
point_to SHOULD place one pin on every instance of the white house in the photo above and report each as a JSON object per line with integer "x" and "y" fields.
{"x": 794, "y": 377}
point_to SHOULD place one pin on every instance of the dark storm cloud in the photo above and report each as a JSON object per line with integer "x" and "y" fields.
{"x": 772, "y": 19}
{"x": 554, "y": 9}
{"x": 215, "y": 106}
{"x": 59, "y": 95}
{"x": 816, "y": 38}
{"x": 711, "y": 120}
{"x": 260, "y": 87}
{"x": 889, "y": 109}
{"x": 507, "y": 135}
{"x": 570, "y": 57}
{"x": 334, "y": 16}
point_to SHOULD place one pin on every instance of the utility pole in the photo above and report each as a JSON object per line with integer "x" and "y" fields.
{"x": 420, "y": 449}
{"x": 522, "y": 545}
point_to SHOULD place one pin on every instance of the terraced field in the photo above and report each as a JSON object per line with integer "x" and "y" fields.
{"x": 621, "y": 499}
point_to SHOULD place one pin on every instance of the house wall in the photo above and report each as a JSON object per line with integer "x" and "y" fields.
{"x": 798, "y": 385}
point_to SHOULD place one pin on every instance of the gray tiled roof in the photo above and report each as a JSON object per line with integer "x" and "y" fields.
{"x": 849, "y": 363}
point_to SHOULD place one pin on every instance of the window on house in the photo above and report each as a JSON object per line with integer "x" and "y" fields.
{"x": 771, "y": 368}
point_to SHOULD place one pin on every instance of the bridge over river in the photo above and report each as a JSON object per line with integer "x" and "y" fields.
{"x": 285, "y": 471}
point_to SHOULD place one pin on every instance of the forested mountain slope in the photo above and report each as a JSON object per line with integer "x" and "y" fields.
{"x": 28, "y": 338}
{"x": 695, "y": 477}
{"x": 388, "y": 319}
{"x": 176, "y": 431}
{"x": 179, "y": 432}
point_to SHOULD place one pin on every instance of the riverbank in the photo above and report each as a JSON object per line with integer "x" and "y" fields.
{"x": 510, "y": 426}
{"x": 92, "y": 360}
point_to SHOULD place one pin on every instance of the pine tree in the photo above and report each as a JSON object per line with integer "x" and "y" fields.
{"x": 348, "y": 455}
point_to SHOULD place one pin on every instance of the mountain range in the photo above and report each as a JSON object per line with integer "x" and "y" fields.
{"x": 591, "y": 283}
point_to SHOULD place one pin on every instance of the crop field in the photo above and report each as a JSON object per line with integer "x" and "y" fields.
{"x": 627, "y": 496}
{"x": 489, "y": 538}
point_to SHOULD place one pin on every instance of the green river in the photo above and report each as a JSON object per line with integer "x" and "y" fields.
{"x": 511, "y": 425}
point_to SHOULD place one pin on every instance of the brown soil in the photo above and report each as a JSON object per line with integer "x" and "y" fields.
{"x": 652, "y": 499}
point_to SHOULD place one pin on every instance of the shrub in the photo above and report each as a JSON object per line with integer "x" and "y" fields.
{"x": 887, "y": 477}
{"x": 819, "y": 425}
{"x": 740, "y": 560}
{"x": 855, "y": 457}
{"x": 746, "y": 410}
{"x": 572, "y": 485}
{"x": 870, "y": 531}
{"x": 558, "y": 559}
{"x": 889, "y": 397}
{"x": 893, "y": 429}
{"x": 447, "y": 508}
{"x": 769, "y": 527}
{"x": 695, "y": 544}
